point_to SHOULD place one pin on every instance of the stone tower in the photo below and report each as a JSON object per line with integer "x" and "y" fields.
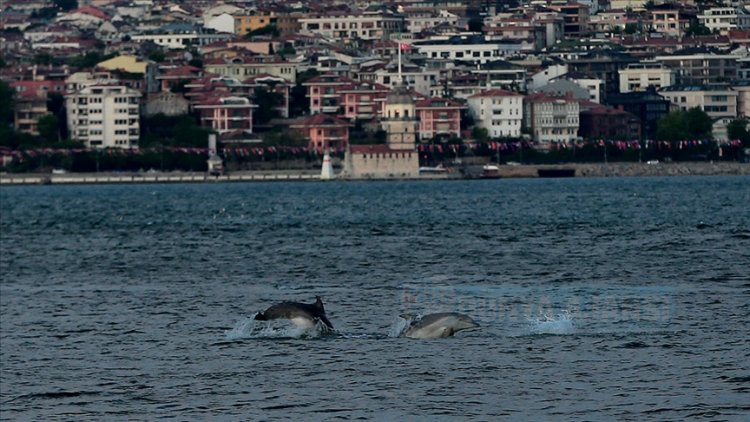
{"x": 399, "y": 119}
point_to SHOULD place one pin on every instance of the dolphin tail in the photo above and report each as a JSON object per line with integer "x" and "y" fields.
{"x": 319, "y": 303}
{"x": 325, "y": 321}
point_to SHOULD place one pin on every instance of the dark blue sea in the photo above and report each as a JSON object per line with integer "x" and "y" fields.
{"x": 599, "y": 299}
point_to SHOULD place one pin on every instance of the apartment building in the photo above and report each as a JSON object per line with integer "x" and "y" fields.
{"x": 499, "y": 111}
{"x": 638, "y": 76}
{"x": 349, "y": 26}
{"x": 438, "y": 117}
{"x": 104, "y": 116}
{"x": 716, "y": 100}
{"x": 724, "y": 19}
{"x": 551, "y": 118}
{"x": 699, "y": 66}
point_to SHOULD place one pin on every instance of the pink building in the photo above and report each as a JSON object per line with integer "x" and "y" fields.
{"x": 323, "y": 93}
{"x": 362, "y": 100}
{"x": 323, "y": 131}
{"x": 225, "y": 113}
{"x": 439, "y": 117}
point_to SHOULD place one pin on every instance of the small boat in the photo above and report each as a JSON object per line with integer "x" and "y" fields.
{"x": 490, "y": 171}
{"x": 437, "y": 169}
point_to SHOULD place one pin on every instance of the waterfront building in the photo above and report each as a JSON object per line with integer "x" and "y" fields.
{"x": 323, "y": 131}
{"x": 716, "y": 100}
{"x": 647, "y": 105}
{"x": 224, "y": 113}
{"x": 104, "y": 116}
{"x": 551, "y": 118}
{"x": 499, "y": 111}
{"x": 438, "y": 117}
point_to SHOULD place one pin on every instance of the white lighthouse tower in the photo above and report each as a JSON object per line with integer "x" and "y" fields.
{"x": 326, "y": 172}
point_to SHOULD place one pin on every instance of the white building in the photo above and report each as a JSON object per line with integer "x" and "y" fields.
{"x": 498, "y": 111}
{"x": 716, "y": 100}
{"x": 418, "y": 22}
{"x": 469, "y": 49}
{"x": 178, "y": 36}
{"x": 368, "y": 25}
{"x": 639, "y": 76}
{"x": 546, "y": 75}
{"x": 551, "y": 118}
{"x": 104, "y": 116}
{"x": 724, "y": 19}
{"x": 222, "y": 23}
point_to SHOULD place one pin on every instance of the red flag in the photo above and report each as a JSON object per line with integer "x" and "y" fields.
{"x": 404, "y": 46}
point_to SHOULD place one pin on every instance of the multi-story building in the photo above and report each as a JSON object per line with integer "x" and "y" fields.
{"x": 225, "y": 113}
{"x": 647, "y": 105}
{"x": 104, "y": 116}
{"x": 575, "y": 17}
{"x": 551, "y": 118}
{"x": 670, "y": 19}
{"x": 180, "y": 35}
{"x": 324, "y": 94}
{"x": 601, "y": 122}
{"x": 350, "y": 26}
{"x": 716, "y": 100}
{"x": 700, "y": 66}
{"x": 639, "y": 76}
{"x": 362, "y": 100}
{"x": 323, "y": 131}
{"x": 247, "y": 66}
{"x": 499, "y": 111}
{"x": 438, "y": 117}
{"x": 30, "y": 107}
{"x": 473, "y": 49}
{"x": 245, "y": 23}
{"x": 724, "y": 19}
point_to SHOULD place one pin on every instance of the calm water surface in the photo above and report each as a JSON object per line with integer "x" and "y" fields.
{"x": 599, "y": 299}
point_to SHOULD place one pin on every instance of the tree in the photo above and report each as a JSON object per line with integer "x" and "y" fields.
{"x": 66, "y": 5}
{"x": 49, "y": 128}
{"x": 698, "y": 29}
{"x": 475, "y": 24}
{"x": 681, "y": 125}
{"x": 699, "y": 123}
{"x": 271, "y": 30}
{"x": 7, "y": 103}
{"x": 299, "y": 104}
{"x": 737, "y": 129}
{"x": 631, "y": 28}
{"x": 268, "y": 103}
{"x": 480, "y": 134}
{"x": 157, "y": 56}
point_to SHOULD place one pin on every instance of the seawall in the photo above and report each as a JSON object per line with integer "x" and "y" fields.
{"x": 505, "y": 171}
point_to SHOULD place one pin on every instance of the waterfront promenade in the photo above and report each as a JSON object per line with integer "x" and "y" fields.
{"x": 505, "y": 171}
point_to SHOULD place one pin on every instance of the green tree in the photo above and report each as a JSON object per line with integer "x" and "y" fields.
{"x": 475, "y": 24}
{"x": 268, "y": 103}
{"x": 681, "y": 125}
{"x": 271, "y": 30}
{"x": 66, "y": 5}
{"x": 699, "y": 123}
{"x": 7, "y": 103}
{"x": 631, "y": 28}
{"x": 480, "y": 134}
{"x": 299, "y": 104}
{"x": 157, "y": 56}
{"x": 49, "y": 129}
{"x": 698, "y": 29}
{"x": 286, "y": 138}
{"x": 737, "y": 129}
{"x": 42, "y": 58}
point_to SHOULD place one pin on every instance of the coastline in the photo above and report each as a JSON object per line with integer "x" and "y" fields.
{"x": 505, "y": 171}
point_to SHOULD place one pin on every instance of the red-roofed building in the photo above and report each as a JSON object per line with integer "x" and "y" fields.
{"x": 323, "y": 131}
{"x": 362, "y": 100}
{"x": 601, "y": 122}
{"x": 439, "y": 117}
{"x": 323, "y": 91}
{"x": 226, "y": 113}
{"x": 170, "y": 78}
{"x": 31, "y": 102}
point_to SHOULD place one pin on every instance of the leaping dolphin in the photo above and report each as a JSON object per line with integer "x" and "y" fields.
{"x": 439, "y": 325}
{"x": 300, "y": 314}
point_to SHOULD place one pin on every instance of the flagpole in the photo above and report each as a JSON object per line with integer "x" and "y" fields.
{"x": 400, "y": 78}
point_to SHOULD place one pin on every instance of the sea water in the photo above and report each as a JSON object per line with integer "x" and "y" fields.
{"x": 598, "y": 299}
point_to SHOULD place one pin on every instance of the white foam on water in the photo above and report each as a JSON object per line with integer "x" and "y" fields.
{"x": 250, "y": 328}
{"x": 400, "y": 325}
{"x": 560, "y": 324}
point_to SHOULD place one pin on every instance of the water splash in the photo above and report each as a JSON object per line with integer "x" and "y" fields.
{"x": 250, "y": 328}
{"x": 400, "y": 324}
{"x": 559, "y": 324}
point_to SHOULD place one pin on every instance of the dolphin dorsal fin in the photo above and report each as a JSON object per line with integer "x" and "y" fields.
{"x": 319, "y": 303}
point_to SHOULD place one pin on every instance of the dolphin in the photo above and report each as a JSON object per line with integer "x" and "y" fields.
{"x": 439, "y": 325}
{"x": 303, "y": 315}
